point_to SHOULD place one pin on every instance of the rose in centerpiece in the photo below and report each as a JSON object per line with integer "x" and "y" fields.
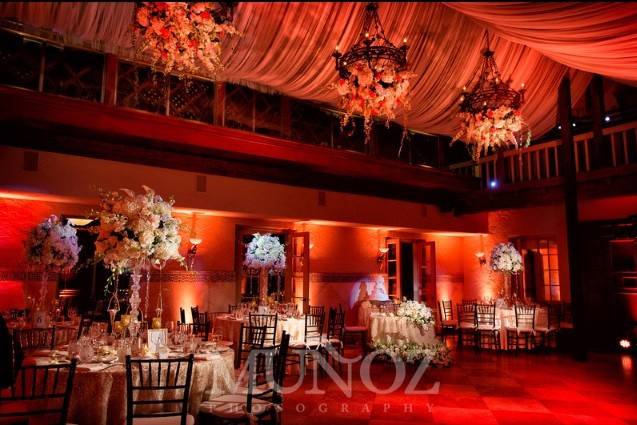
{"x": 416, "y": 313}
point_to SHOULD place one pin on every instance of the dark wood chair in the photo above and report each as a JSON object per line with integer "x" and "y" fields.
{"x": 486, "y": 331}
{"x": 524, "y": 327}
{"x": 250, "y": 338}
{"x": 34, "y": 339}
{"x": 312, "y": 343}
{"x": 182, "y": 315}
{"x": 448, "y": 325}
{"x": 267, "y": 320}
{"x": 201, "y": 323}
{"x": 466, "y": 323}
{"x": 316, "y": 309}
{"x": 334, "y": 336}
{"x": 169, "y": 376}
{"x": 39, "y": 391}
{"x": 552, "y": 328}
{"x": 261, "y": 399}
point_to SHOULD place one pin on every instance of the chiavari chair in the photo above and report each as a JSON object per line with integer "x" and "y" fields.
{"x": 466, "y": 323}
{"x": 312, "y": 343}
{"x": 39, "y": 391}
{"x": 316, "y": 309}
{"x": 552, "y": 328}
{"x": 34, "y": 339}
{"x": 524, "y": 327}
{"x": 250, "y": 338}
{"x": 267, "y": 320}
{"x": 182, "y": 315}
{"x": 448, "y": 323}
{"x": 261, "y": 399}
{"x": 335, "y": 332}
{"x": 486, "y": 330}
{"x": 164, "y": 379}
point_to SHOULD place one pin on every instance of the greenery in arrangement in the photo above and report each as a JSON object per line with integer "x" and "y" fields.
{"x": 437, "y": 354}
{"x": 416, "y": 313}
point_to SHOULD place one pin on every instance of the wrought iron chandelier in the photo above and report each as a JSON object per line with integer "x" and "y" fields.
{"x": 374, "y": 80}
{"x": 183, "y": 37}
{"x": 490, "y": 112}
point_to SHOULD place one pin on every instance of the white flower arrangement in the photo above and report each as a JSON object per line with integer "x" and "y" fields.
{"x": 506, "y": 259}
{"x": 416, "y": 313}
{"x": 135, "y": 229}
{"x": 52, "y": 245}
{"x": 436, "y": 354}
{"x": 265, "y": 252}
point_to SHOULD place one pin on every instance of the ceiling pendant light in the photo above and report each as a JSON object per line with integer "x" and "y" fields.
{"x": 490, "y": 112}
{"x": 374, "y": 80}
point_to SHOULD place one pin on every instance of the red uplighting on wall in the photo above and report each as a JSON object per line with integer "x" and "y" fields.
{"x": 11, "y": 295}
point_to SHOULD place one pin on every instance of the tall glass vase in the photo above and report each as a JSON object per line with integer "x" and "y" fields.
{"x": 263, "y": 286}
{"x": 507, "y": 287}
{"x": 113, "y": 303}
{"x": 44, "y": 287}
{"x": 134, "y": 301}
{"x": 40, "y": 316}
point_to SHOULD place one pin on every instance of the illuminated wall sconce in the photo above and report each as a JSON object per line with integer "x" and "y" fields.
{"x": 380, "y": 259}
{"x": 195, "y": 241}
{"x": 482, "y": 258}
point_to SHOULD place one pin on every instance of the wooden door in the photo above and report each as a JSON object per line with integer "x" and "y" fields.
{"x": 425, "y": 272}
{"x": 297, "y": 282}
{"x": 392, "y": 260}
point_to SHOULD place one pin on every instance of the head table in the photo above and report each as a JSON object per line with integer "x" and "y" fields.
{"x": 99, "y": 390}
{"x": 389, "y": 328}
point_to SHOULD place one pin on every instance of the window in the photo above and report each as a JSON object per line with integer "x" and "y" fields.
{"x": 541, "y": 276}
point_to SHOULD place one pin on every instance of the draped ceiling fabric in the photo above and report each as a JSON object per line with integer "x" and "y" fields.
{"x": 287, "y": 47}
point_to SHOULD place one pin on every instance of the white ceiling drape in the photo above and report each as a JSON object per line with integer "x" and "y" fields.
{"x": 287, "y": 47}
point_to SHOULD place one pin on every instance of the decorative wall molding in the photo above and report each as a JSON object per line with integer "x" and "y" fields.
{"x": 184, "y": 276}
{"x": 344, "y": 277}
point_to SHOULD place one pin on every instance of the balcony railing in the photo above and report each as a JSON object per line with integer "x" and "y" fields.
{"x": 34, "y": 62}
{"x": 541, "y": 162}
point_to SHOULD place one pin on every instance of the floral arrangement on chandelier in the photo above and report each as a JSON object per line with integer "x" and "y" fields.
{"x": 373, "y": 93}
{"x": 493, "y": 128}
{"x": 136, "y": 230}
{"x": 506, "y": 259}
{"x": 265, "y": 252}
{"x": 52, "y": 246}
{"x": 490, "y": 116}
{"x": 182, "y": 36}
{"x": 373, "y": 76}
{"x": 416, "y": 313}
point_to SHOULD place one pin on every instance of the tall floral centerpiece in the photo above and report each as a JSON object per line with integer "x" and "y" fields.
{"x": 136, "y": 231}
{"x": 52, "y": 247}
{"x": 508, "y": 261}
{"x": 266, "y": 254}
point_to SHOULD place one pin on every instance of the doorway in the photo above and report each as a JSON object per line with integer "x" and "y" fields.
{"x": 411, "y": 269}
{"x": 407, "y": 282}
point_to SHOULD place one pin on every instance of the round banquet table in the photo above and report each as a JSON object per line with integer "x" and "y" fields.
{"x": 99, "y": 391}
{"x": 386, "y": 328}
{"x": 230, "y": 328}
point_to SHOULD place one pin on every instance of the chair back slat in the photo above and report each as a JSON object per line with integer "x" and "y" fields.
{"x": 525, "y": 316}
{"x": 314, "y": 328}
{"x": 250, "y": 338}
{"x": 34, "y": 339}
{"x": 316, "y": 309}
{"x": 446, "y": 310}
{"x": 485, "y": 315}
{"x": 335, "y": 324}
{"x": 40, "y": 390}
{"x": 267, "y": 320}
{"x": 555, "y": 315}
{"x": 467, "y": 314}
{"x": 142, "y": 381}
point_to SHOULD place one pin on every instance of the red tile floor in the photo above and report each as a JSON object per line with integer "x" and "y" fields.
{"x": 479, "y": 388}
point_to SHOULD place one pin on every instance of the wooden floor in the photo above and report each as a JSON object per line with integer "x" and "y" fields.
{"x": 481, "y": 388}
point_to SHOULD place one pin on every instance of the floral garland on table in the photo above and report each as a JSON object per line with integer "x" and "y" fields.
{"x": 436, "y": 354}
{"x": 492, "y": 129}
{"x": 265, "y": 252}
{"x": 53, "y": 245}
{"x": 506, "y": 259}
{"x": 183, "y": 36}
{"x": 416, "y": 313}
{"x": 373, "y": 93}
{"x": 135, "y": 229}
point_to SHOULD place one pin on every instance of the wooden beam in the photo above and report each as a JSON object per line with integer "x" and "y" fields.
{"x": 572, "y": 218}
{"x": 597, "y": 112}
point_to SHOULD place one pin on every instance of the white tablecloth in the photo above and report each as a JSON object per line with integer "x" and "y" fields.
{"x": 389, "y": 328}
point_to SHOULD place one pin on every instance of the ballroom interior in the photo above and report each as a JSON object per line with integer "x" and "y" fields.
{"x": 377, "y": 206}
